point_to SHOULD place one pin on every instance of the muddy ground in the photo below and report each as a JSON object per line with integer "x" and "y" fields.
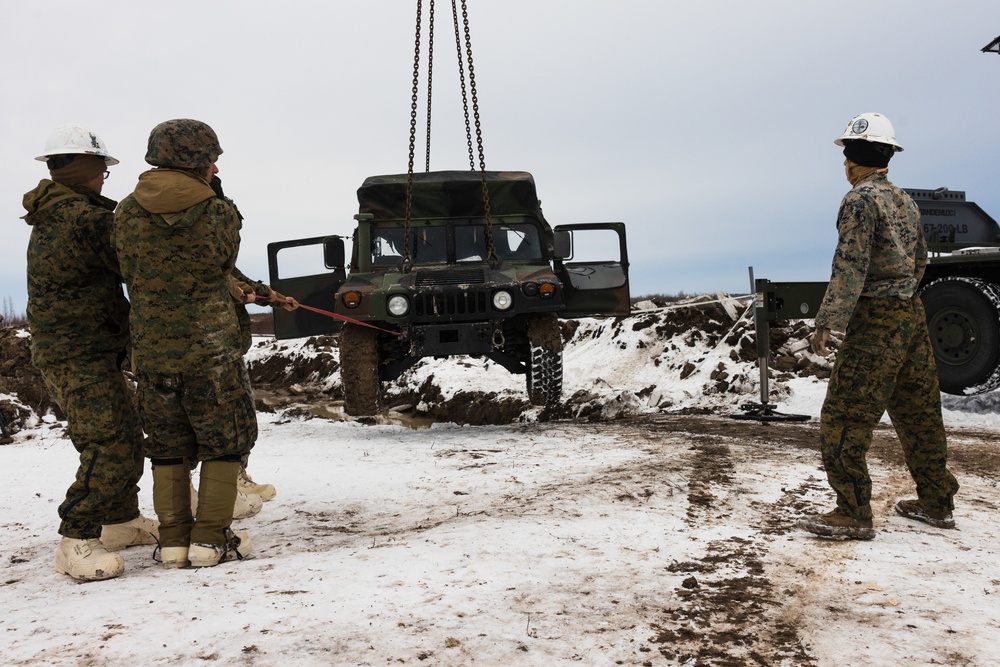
{"x": 721, "y": 612}
{"x": 726, "y": 609}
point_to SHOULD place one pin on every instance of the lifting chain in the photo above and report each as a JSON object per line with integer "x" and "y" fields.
{"x": 490, "y": 246}
{"x": 430, "y": 78}
{"x": 491, "y": 253}
{"x": 461, "y": 79}
{"x": 407, "y": 263}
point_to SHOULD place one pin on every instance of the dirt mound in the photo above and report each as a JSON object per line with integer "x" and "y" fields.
{"x": 465, "y": 407}
{"x": 314, "y": 363}
{"x": 22, "y": 390}
{"x": 668, "y": 340}
{"x": 625, "y": 366}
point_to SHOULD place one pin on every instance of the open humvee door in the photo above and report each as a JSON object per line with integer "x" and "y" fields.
{"x": 318, "y": 289}
{"x": 592, "y": 261}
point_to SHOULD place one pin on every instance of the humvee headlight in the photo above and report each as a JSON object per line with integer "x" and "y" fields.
{"x": 502, "y": 300}
{"x": 529, "y": 289}
{"x": 547, "y": 290}
{"x": 398, "y": 305}
{"x": 351, "y": 299}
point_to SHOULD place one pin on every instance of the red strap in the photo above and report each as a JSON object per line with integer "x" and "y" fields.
{"x": 349, "y": 319}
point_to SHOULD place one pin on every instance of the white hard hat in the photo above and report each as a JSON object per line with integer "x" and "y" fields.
{"x": 74, "y": 139}
{"x": 872, "y": 127}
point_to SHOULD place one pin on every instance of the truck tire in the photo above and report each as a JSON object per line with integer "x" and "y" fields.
{"x": 963, "y": 318}
{"x": 545, "y": 361}
{"x": 359, "y": 370}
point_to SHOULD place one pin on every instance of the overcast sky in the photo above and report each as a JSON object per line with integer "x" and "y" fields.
{"x": 707, "y": 127}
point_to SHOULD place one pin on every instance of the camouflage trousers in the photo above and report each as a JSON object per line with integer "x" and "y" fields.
{"x": 885, "y": 363}
{"x": 198, "y": 416}
{"x": 104, "y": 427}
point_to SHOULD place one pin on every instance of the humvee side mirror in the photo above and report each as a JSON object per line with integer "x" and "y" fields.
{"x": 333, "y": 252}
{"x": 562, "y": 244}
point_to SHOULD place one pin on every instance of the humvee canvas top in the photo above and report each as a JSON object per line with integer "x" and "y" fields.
{"x": 450, "y": 194}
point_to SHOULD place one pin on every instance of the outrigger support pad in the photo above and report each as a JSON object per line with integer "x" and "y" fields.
{"x": 777, "y": 301}
{"x": 765, "y": 412}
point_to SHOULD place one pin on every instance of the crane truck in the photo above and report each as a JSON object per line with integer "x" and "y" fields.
{"x": 960, "y": 290}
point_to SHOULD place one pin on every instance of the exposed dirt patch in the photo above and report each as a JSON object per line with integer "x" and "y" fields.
{"x": 279, "y": 371}
{"x": 18, "y": 377}
{"x": 726, "y": 610}
{"x": 475, "y": 408}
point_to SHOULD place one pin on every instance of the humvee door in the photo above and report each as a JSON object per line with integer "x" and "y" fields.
{"x": 592, "y": 261}
{"x": 310, "y": 270}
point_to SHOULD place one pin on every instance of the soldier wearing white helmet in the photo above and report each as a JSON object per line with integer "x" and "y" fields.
{"x": 73, "y": 139}
{"x": 77, "y": 156}
{"x": 78, "y": 319}
{"x": 885, "y": 362}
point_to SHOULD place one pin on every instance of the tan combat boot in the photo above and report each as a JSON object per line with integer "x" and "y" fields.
{"x": 172, "y": 502}
{"x": 212, "y": 540}
{"x": 246, "y": 485}
{"x": 237, "y": 546}
{"x": 838, "y": 524}
{"x": 914, "y": 509}
{"x": 87, "y": 560}
{"x": 138, "y": 531}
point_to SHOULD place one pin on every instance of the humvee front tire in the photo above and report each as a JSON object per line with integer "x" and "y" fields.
{"x": 359, "y": 370}
{"x": 545, "y": 361}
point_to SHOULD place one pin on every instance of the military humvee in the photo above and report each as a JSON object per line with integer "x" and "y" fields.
{"x": 455, "y": 278}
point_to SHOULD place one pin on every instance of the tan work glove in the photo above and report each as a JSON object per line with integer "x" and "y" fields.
{"x": 240, "y": 291}
{"x": 278, "y": 300}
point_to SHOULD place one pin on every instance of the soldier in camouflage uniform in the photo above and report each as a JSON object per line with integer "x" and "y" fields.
{"x": 177, "y": 243}
{"x": 78, "y": 319}
{"x": 885, "y": 361}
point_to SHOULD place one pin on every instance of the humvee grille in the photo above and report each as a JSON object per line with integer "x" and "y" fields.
{"x": 450, "y": 304}
{"x": 450, "y": 277}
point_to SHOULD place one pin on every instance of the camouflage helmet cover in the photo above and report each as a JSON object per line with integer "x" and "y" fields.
{"x": 183, "y": 143}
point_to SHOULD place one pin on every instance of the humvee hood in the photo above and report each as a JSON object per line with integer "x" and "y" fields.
{"x": 165, "y": 191}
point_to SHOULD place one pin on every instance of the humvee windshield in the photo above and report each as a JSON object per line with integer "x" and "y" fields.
{"x": 429, "y": 243}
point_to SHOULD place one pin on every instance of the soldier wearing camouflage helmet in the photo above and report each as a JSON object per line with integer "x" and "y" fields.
{"x": 885, "y": 361}
{"x": 78, "y": 319}
{"x": 177, "y": 243}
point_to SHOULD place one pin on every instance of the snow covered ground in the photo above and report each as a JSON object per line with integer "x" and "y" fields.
{"x": 641, "y": 534}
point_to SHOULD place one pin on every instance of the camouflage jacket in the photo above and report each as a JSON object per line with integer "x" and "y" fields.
{"x": 177, "y": 243}
{"x": 76, "y": 305}
{"x": 880, "y": 250}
